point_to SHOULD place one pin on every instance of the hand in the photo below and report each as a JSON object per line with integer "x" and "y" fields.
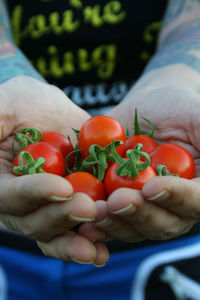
{"x": 43, "y": 206}
{"x": 167, "y": 206}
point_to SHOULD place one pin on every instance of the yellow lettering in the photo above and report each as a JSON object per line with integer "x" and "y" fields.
{"x": 37, "y": 26}
{"x": 55, "y": 70}
{"x": 104, "y": 57}
{"x": 92, "y": 15}
{"x": 144, "y": 56}
{"x": 76, "y": 3}
{"x": 84, "y": 64}
{"x": 113, "y": 13}
{"x": 54, "y": 19}
{"x": 41, "y": 66}
{"x": 68, "y": 24}
{"x": 54, "y": 65}
{"x": 150, "y": 31}
{"x": 68, "y": 63}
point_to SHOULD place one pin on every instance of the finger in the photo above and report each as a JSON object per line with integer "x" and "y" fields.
{"x": 148, "y": 219}
{"x": 179, "y": 195}
{"x": 53, "y": 219}
{"x": 114, "y": 225}
{"x": 92, "y": 233}
{"x": 10, "y": 222}
{"x": 22, "y": 194}
{"x": 102, "y": 255}
{"x": 70, "y": 247}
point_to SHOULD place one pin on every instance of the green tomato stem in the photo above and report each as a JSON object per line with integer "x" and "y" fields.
{"x": 25, "y": 137}
{"x": 137, "y": 129}
{"x": 27, "y": 164}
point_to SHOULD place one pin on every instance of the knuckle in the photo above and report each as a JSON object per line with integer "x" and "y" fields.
{"x": 10, "y": 222}
{"x": 188, "y": 227}
{"x": 172, "y": 232}
{"x": 30, "y": 231}
{"x": 64, "y": 216}
{"x": 166, "y": 232}
{"x": 33, "y": 233}
{"x": 26, "y": 229}
{"x": 179, "y": 201}
{"x": 43, "y": 248}
{"x": 196, "y": 215}
{"x": 173, "y": 202}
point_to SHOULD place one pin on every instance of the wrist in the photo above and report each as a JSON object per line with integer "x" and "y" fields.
{"x": 179, "y": 75}
{"x": 154, "y": 87}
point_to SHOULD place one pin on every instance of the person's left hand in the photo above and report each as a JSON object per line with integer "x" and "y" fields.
{"x": 167, "y": 206}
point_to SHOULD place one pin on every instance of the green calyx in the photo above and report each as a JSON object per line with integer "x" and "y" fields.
{"x": 77, "y": 164}
{"x": 76, "y": 153}
{"x": 99, "y": 158}
{"x": 27, "y": 164}
{"x": 132, "y": 165}
{"x": 137, "y": 129}
{"x": 163, "y": 171}
{"x": 97, "y": 161}
{"x": 25, "y": 137}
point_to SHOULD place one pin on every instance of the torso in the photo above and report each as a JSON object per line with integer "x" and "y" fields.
{"x": 93, "y": 50}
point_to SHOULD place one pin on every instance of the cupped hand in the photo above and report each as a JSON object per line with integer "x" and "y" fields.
{"x": 43, "y": 206}
{"x": 167, "y": 206}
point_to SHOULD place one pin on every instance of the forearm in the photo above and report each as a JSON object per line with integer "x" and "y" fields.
{"x": 179, "y": 41}
{"x": 174, "y": 69}
{"x": 12, "y": 61}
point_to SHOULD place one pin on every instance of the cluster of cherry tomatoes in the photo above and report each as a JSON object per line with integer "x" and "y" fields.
{"x": 104, "y": 158}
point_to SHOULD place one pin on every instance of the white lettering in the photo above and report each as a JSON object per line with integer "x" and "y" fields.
{"x": 97, "y": 94}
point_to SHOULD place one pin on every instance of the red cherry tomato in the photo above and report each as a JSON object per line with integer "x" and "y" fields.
{"x": 148, "y": 143}
{"x": 54, "y": 160}
{"x": 176, "y": 158}
{"x": 112, "y": 181}
{"x": 86, "y": 183}
{"x": 59, "y": 141}
{"x": 101, "y": 130}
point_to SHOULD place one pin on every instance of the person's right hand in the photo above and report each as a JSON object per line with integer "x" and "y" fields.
{"x": 43, "y": 206}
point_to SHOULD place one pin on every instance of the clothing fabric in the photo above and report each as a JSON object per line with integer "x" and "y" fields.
{"x": 92, "y": 50}
{"x": 160, "y": 271}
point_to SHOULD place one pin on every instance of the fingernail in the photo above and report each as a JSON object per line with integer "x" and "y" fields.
{"x": 99, "y": 266}
{"x": 81, "y": 262}
{"x": 160, "y": 196}
{"x": 80, "y": 219}
{"x": 104, "y": 223}
{"x": 125, "y": 210}
{"x": 57, "y": 198}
